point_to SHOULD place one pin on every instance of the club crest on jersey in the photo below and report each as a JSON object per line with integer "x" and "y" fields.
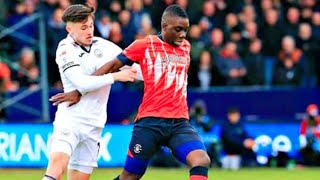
{"x": 98, "y": 53}
{"x": 137, "y": 148}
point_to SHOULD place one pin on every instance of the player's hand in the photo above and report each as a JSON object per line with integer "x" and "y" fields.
{"x": 127, "y": 74}
{"x": 73, "y": 97}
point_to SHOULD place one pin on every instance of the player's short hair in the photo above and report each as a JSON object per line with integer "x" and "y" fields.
{"x": 175, "y": 10}
{"x": 232, "y": 110}
{"x": 77, "y": 13}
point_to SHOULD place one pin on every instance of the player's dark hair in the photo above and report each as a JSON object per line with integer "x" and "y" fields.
{"x": 77, "y": 13}
{"x": 233, "y": 110}
{"x": 175, "y": 10}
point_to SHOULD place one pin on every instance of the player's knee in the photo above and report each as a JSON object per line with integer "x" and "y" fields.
{"x": 198, "y": 158}
{"x": 58, "y": 163}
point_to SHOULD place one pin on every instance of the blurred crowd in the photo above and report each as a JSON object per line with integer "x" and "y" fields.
{"x": 234, "y": 43}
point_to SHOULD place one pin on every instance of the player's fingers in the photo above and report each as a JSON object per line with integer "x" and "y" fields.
{"x": 57, "y": 96}
{"x": 57, "y": 102}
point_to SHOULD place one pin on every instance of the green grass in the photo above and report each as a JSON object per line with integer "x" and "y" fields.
{"x": 181, "y": 173}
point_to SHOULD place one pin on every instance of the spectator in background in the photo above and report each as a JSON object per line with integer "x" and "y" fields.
{"x": 230, "y": 65}
{"x": 5, "y": 85}
{"x": 235, "y": 141}
{"x": 137, "y": 12}
{"x": 116, "y": 35}
{"x": 316, "y": 35}
{"x": 271, "y": 33}
{"x": 146, "y": 28}
{"x": 249, "y": 34}
{"x": 254, "y": 63}
{"x": 315, "y": 23}
{"x": 216, "y": 43}
{"x": 248, "y": 14}
{"x": 310, "y": 136}
{"x": 231, "y": 22}
{"x": 291, "y": 25}
{"x": 310, "y": 46}
{"x": 103, "y": 25}
{"x": 203, "y": 74}
{"x": 128, "y": 29}
{"x": 5, "y": 79}
{"x": 23, "y": 10}
{"x": 289, "y": 69}
{"x": 27, "y": 72}
{"x": 196, "y": 44}
{"x": 114, "y": 9}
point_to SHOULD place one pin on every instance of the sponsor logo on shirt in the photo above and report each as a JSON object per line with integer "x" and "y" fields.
{"x": 80, "y": 55}
{"x": 67, "y": 65}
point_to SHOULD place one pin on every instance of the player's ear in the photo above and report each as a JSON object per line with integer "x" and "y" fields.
{"x": 164, "y": 25}
{"x": 68, "y": 27}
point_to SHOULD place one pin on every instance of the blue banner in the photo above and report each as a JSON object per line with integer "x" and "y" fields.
{"x": 25, "y": 145}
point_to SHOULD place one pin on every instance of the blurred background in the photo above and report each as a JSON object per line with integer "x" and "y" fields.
{"x": 253, "y": 87}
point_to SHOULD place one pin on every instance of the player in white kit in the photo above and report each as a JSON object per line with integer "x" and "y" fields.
{"x": 74, "y": 144}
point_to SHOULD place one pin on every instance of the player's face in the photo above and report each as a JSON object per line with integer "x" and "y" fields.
{"x": 82, "y": 32}
{"x": 175, "y": 30}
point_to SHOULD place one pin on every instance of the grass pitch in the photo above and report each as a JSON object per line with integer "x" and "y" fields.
{"x": 180, "y": 174}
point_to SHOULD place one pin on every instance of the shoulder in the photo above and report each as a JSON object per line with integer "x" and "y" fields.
{"x": 104, "y": 43}
{"x": 66, "y": 44}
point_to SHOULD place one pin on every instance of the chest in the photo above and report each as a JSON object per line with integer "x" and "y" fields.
{"x": 91, "y": 60}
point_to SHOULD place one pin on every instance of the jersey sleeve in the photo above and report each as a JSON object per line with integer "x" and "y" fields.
{"x": 134, "y": 52}
{"x": 69, "y": 66}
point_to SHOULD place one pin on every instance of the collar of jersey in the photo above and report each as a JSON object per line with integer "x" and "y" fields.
{"x": 160, "y": 36}
{"x": 82, "y": 47}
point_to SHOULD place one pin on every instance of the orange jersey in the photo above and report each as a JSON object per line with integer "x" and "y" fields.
{"x": 164, "y": 69}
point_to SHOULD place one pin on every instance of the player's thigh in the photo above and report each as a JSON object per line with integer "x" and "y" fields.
{"x": 185, "y": 143}
{"x": 145, "y": 141}
{"x": 58, "y": 158}
{"x": 61, "y": 145}
{"x": 85, "y": 156}
{"x": 146, "y": 138}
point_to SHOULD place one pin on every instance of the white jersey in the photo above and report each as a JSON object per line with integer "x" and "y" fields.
{"x": 76, "y": 64}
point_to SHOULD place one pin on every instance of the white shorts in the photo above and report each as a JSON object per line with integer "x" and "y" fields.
{"x": 80, "y": 142}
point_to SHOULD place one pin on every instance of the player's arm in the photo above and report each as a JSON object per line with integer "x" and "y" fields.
{"x": 131, "y": 53}
{"x": 70, "y": 67}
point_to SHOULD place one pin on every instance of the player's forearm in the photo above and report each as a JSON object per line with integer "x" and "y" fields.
{"x": 109, "y": 67}
{"x": 85, "y": 83}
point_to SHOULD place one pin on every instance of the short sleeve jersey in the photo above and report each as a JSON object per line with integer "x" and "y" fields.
{"x": 164, "y": 69}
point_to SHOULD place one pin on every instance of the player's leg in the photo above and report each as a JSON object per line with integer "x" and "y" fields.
{"x": 61, "y": 146}
{"x": 189, "y": 149}
{"x": 85, "y": 156}
{"x": 145, "y": 140}
{"x": 58, "y": 160}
